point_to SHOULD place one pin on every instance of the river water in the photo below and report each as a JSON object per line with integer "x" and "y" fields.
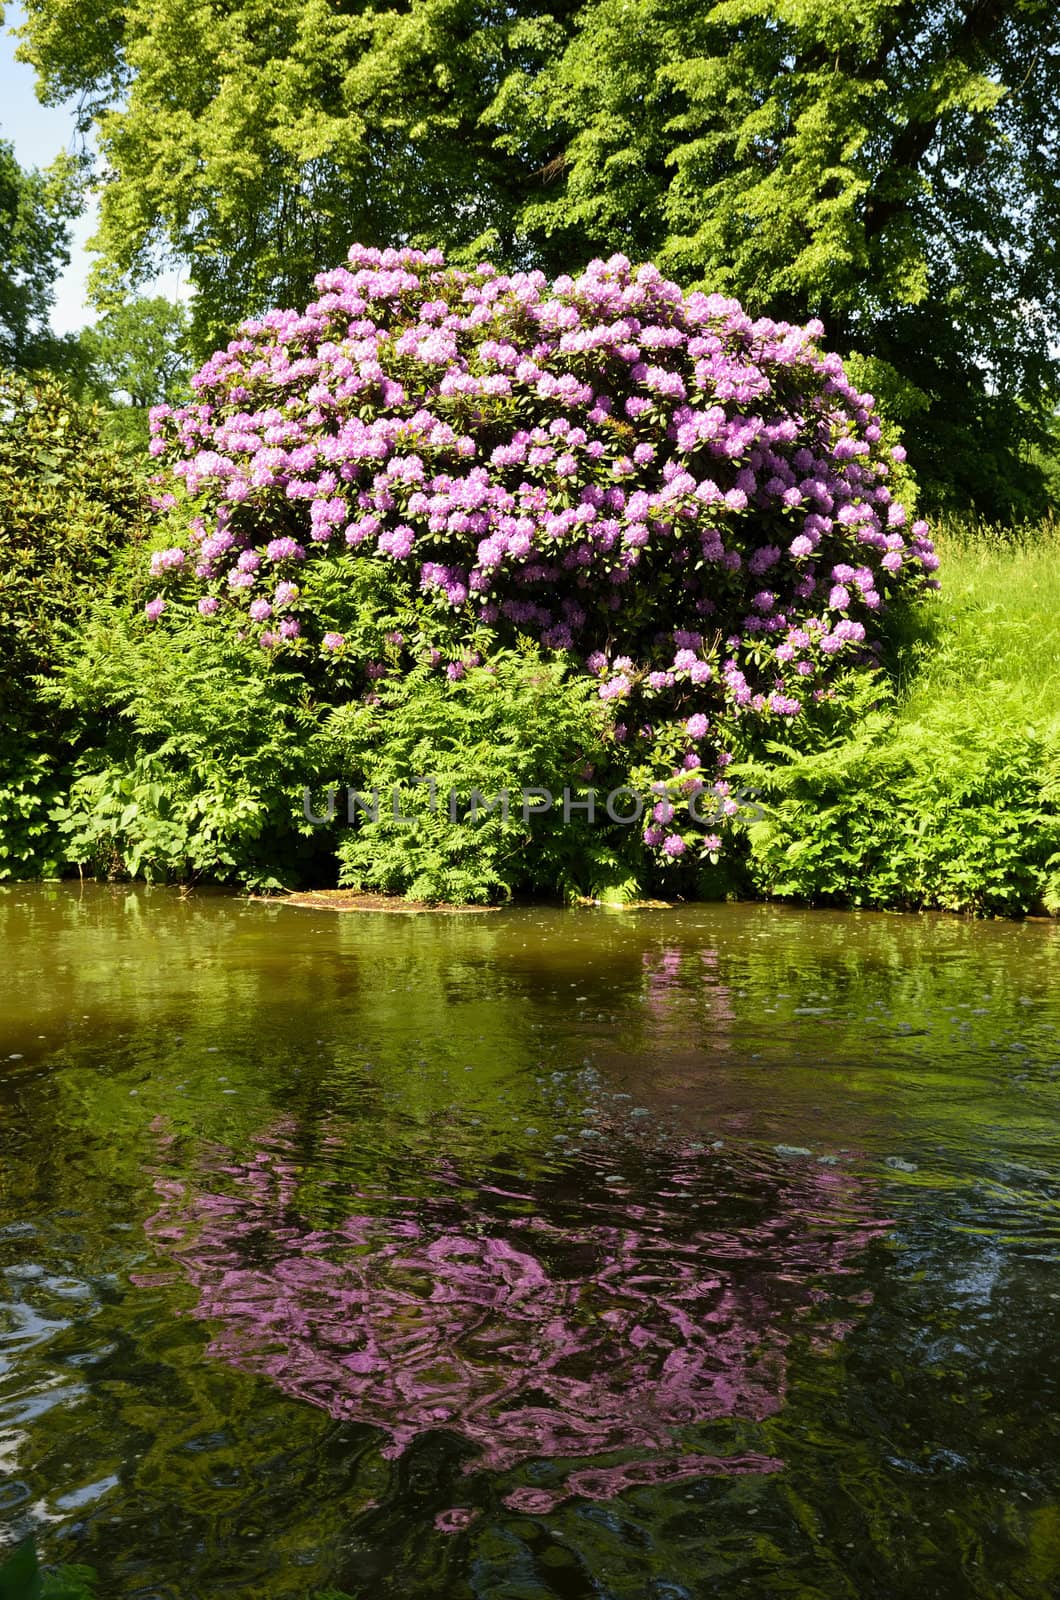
{"x": 640, "y": 1256}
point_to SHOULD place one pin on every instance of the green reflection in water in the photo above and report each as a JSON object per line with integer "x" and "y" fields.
{"x": 849, "y": 1120}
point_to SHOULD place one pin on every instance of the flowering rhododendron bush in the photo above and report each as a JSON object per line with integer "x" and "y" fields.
{"x": 696, "y": 506}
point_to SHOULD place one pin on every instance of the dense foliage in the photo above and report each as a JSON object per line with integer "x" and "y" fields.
{"x": 68, "y": 503}
{"x": 476, "y": 826}
{"x": 936, "y": 784}
{"x": 948, "y": 811}
{"x": 358, "y": 603}
{"x": 137, "y": 350}
{"x": 135, "y": 357}
{"x": 889, "y": 168}
{"x": 696, "y": 507}
{"x": 254, "y": 141}
{"x": 940, "y": 785}
{"x": 195, "y": 767}
{"x": 68, "y": 506}
{"x": 35, "y": 209}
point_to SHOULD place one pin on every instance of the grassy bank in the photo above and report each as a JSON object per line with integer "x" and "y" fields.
{"x": 994, "y": 630}
{"x": 940, "y": 785}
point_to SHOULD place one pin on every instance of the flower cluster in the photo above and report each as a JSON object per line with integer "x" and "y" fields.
{"x": 697, "y": 505}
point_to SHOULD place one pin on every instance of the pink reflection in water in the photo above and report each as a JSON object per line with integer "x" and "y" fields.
{"x": 529, "y": 1340}
{"x": 684, "y": 999}
{"x": 455, "y": 1520}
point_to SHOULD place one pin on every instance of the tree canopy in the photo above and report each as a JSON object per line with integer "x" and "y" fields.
{"x": 137, "y": 349}
{"x": 890, "y": 168}
{"x": 35, "y": 208}
{"x": 255, "y": 140}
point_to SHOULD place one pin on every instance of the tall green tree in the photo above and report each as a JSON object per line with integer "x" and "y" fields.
{"x": 138, "y": 350}
{"x": 256, "y": 139}
{"x": 35, "y": 210}
{"x": 135, "y": 357}
{"x": 891, "y": 167}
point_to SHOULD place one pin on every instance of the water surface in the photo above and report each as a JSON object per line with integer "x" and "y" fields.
{"x": 538, "y": 1254}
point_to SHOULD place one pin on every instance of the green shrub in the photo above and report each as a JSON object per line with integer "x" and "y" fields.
{"x": 941, "y": 786}
{"x": 947, "y": 813}
{"x": 517, "y": 723}
{"x": 69, "y": 504}
{"x": 201, "y": 769}
{"x": 184, "y": 754}
{"x": 32, "y": 783}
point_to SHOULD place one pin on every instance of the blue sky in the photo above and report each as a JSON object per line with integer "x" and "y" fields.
{"x": 38, "y": 134}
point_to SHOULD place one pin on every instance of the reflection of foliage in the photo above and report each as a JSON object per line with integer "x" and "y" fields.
{"x": 530, "y": 1340}
{"x": 226, "y": 1485}
{"x": 23, "y": 1578}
